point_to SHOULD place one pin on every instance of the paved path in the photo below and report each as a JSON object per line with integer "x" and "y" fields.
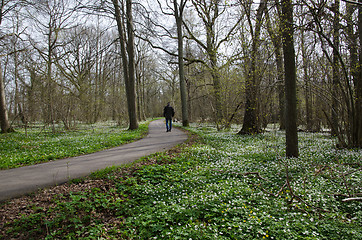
{"x": 19, "y": 181}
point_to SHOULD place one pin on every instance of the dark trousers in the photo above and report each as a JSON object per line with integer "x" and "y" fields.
{"x": 168, "y": 124}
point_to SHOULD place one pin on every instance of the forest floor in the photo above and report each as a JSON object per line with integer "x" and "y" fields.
{"x": 19, "y": 181}
{"x": 217, "y": 185}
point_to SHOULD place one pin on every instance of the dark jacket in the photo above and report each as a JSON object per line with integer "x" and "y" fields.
{"x": 168, "y": 112}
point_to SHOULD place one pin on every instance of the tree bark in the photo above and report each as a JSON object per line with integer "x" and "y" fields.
{"x": 290, "y": 79}
{"x": 308, "y": 101}
{"x": 4, "y": 121}
{"x": 335, "y": 67}
{"x": 130, "y": 89}
{"x": 277, "y": 43}
{"x": 251, "y": 123}
{"x": 209, "y": 12}
{"x": 281, "y": 91}
{"x": 178, "y": 15}
{"x": 127, "y": 62}
{"x": 357, "y": 130}
{"x": 49, "y": 84}
{"x": 5, "y": 126}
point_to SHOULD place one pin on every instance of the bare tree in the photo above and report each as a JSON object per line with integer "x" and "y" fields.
{"x": 251, "y": 123}
{"x": 53, "y": 17}
{"x": 336, "y": 72}
{"x": 126, "y": 38}
{"x": 75, "y": 62}
{"x": 348, "y": 128}
{"x": 175, "y": 9}
{"x": 5, "y": 126}
{"x": 5, "y": 8}
{"x": 276, "y": 38}
{"x": 210, "y": 13}
{"x": 357, "y": 125}
{"x": 178, "y": 13}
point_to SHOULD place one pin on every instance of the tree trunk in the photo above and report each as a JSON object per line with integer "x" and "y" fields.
{"x": 357, "y": 131}
{"x": 308, "y": 102}
{"x": 4, "y": 121}
{"x": 128, "y": 63}
{"x": 5, "y": 126}
{"x": 178, "y": 16}
{"x": 138, "y": 89}
{"x": 214, "y": 71}
{"x": 131, "y": 91}
{"x": 49, "y": 84}
{"x": 290, "y": 79}
{"x": 217, "y": 88}
{"x": 251, "y": 122}
{"x": 356, "y": 73}
{"x": 277, "y": 43}
{"x": 336, "y": 73}
{"x": 281, "y": 92}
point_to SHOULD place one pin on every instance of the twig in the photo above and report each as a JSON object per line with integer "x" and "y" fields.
{"x": 294, "y": 196}
{"x": 351, "y": 172}
{"x": 270, "y": 193}
{"x": 352, "y": 2}
{"x": 346, "y": 185}
{"x": 352, "y": 199}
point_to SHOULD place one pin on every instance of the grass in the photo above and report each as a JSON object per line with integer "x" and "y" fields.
{"x": 220, "y": 186}
{"x": 39, "y": 145}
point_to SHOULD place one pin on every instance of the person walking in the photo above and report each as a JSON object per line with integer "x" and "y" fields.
{"x": 168, "y": 113}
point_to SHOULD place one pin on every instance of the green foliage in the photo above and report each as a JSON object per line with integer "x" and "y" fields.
{"x": 18, "y": 149}
{"x": 223, "y": 187}
{"x": 206, "y": 193}
{"x": 76, "y": 216}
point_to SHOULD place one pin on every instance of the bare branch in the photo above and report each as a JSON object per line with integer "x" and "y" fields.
{"x": 352, "y": 2}
{"x": 352, "y": 199}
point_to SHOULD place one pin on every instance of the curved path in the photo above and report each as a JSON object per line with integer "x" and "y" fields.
{"x": 19, "y": 181}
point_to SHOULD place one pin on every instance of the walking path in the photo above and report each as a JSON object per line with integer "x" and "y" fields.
{"x": 20, "y": 181}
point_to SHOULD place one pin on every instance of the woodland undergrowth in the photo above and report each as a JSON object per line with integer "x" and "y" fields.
{"x": 218, "y": 185}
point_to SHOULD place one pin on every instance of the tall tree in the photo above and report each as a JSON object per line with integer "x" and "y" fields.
{"x": 289, "y": 78}
{"x": 178, "y": 13}
{"x": 348, "y": 131}
{"x": 210, "y": 13}
{"x": 5, "y": 8}
{"x": 4, "y": 120}
{"x": 335, "y": 67}
{"x": 251, "y": 123}
{"x": 276, "y": 39}
{"x": 50, "y": 18}
{"x": 306, "y": 76}
{"x": 357, "y": 129}
{"x": 126, "y": 38}
{"x": 75, "y": 62}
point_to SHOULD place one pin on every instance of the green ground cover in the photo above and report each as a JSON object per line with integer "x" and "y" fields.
{"x": 41, "y": 145}
{"x": 223, "y": 186}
